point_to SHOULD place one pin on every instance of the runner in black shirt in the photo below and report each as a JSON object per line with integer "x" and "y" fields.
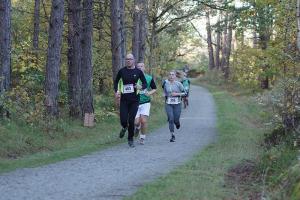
{"x": 127, "y": 88}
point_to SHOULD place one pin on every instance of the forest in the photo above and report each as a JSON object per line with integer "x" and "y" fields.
{"x": 58, "y": 59}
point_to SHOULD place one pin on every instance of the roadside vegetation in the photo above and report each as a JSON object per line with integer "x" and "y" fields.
{"x": 244, "y": 162}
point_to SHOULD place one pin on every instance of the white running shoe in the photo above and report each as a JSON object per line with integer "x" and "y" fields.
{"x": 142, "y": 141}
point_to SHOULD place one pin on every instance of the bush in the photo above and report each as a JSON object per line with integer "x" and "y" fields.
{"x": 284, "y": 101}
{"x": 24, "y": 106}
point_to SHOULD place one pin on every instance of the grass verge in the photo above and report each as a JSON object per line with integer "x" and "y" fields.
{"x": 240, "y": 137}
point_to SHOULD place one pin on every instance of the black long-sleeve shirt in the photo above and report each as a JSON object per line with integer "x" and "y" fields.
{"x": 130, "y": 76}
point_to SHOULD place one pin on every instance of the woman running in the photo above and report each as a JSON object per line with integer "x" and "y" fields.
{"x": 173, "y": 91}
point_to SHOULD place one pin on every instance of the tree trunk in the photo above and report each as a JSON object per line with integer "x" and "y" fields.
{"x": 254, "y": 33}
{"x": 218, "y": 47}
{"x": 143, "y": 30}
{"x": 153, "y": 12}
{"x": 54, "y": 57}
{"x": 5, "y": 48}
{"x": 298, "y": 25}
{"x": 209, "y": 43}
{"x": 136, "y": 28}
{"x": 87, "y": 68}
{"x": 36, "y": 27}
{"x": 101, "y": 17}
{"x": 153, "y": 45}
{"x": 224, "y": 44}
{"x": 242, "y": 39}
{"x": 264, "y": 39}
{"x": 115, "y": 37}
{"x": 74, "y": 57}
{"x": 255, "y": 42}
{"x": 228, "y": 52}
{"x": 122, "y": 31}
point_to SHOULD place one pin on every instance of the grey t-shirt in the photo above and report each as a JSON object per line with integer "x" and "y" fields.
{"x": 169, "y": 87}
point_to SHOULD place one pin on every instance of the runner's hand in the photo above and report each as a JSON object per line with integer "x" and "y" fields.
{"x": 117, "y": 95}
{"x": 137, "y": 86}
{"x": 174, "y": 94}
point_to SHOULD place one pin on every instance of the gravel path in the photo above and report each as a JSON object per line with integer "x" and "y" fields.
{"x": 120, "y": 170}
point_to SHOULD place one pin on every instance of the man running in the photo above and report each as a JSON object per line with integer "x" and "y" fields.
{"x": 144, "y": 107}
{"x": 126, "y": 88}
{"x": 173, "y": 91}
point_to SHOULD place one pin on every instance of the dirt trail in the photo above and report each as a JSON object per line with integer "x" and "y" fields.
{"x": 118, "y": 171}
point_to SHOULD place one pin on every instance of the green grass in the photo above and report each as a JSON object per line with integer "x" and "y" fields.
{"x": 282, "y": 172}
{"x": 25, "y": 146}
{"x": 239, "y": 139}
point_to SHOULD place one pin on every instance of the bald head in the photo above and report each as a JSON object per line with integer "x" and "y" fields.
{"x": 129, "y": 60}
{"x": 130, "y": 55}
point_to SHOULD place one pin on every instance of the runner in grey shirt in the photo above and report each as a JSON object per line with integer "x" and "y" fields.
{"x": 173, "y": 91}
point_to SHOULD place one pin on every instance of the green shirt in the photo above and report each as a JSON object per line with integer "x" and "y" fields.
{"x": 150, "y": 85}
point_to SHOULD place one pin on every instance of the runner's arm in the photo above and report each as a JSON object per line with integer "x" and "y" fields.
{"x": 153, "y": 87}
{"x": 143, "y": 79}
{"x": 163, "y": 84}
{"x": 116, "y": 82}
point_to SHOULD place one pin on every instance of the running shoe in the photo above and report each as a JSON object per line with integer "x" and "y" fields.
{"x": 122, "y": 132}
{"x": 131, "y": 144}
{"x": 177, "y": 125}
{"x": 172, "y": 138}
{"x": 142, "y": 141}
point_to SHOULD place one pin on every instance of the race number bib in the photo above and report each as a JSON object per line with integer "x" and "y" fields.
{"x": 128, "y": 89}
{"x": 173, "y": 100}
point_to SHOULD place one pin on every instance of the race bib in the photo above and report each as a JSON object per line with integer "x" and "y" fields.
{"x": 173, "y": 100}
{"x": 128, "y": 89}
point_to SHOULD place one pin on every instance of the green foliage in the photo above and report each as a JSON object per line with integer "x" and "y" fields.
{"x": 281, "y": 171}
{"x": 23, "y": 57}
{"x": 285, "y": 103}
{"x": 276, "y": 160}
{"x": 24, "y": 106}
{"x": 248, "y": 66}
{"x": 104, "y": 107}
{"x": 275, "y": 24}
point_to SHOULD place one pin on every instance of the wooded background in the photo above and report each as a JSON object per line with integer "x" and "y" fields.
{"x": 56, "y": 55}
